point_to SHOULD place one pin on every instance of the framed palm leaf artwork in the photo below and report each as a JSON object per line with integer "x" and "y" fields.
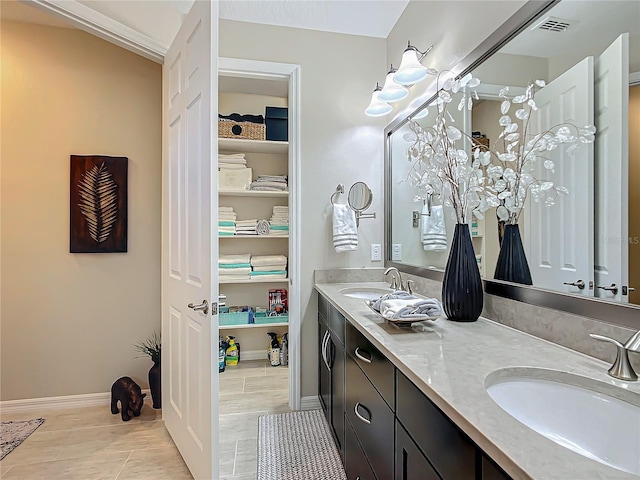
{"x": 98, "y": 204}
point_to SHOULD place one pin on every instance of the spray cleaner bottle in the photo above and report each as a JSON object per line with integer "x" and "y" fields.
{"x": 274, "y": 349}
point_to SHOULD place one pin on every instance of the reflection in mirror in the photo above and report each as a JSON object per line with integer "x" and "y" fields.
{"x": 590, "y": 238}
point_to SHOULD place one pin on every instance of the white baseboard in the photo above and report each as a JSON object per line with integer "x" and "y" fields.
{"x": 57, "y": 403}
{"x": 309, "y": 403}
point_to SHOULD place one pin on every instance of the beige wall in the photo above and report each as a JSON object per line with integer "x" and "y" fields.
{"x": 69, "y": 321}
{"x": 634, "y": 193}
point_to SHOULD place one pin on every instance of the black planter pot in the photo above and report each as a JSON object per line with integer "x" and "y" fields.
{"x": 512, "y": 265}
{"x": 462, "y": 295}
{"x": 155, "y": 385}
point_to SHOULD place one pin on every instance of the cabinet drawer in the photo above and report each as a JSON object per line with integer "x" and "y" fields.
{"x": 323, "y": 307}
{"x": 337, "y": 323}
{"x": 411, "y": 464}
{"x": 449, "y": 450}
{"x": 371, "y": 419}
{"x": 356, "y": 465}
{"x": 375, "y": 365}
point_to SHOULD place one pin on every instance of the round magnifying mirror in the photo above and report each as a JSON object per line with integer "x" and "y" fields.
{"x": 360, "y": 196}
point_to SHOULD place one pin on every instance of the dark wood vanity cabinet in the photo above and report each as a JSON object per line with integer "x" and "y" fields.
{"x": 331, "y": 370}
{"x": 384, "y": 426}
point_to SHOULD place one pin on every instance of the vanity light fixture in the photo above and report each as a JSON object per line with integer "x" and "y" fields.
{"x": 377, "y": 108}
{"x": 392, "y": 91}
{"x": 411, "y": 70}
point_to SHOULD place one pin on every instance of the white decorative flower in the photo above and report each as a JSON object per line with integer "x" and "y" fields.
{"x": 442, "y": 165}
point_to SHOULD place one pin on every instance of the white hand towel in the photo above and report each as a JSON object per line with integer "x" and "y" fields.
{"x": 237, "y": 258}
{"x": 345, "y": 232}
{"x": 434, "y": 233}
{"x": 264, "y": 260}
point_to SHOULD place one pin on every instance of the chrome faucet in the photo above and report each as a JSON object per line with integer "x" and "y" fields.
{"x": 621, "y": 368}
{"x": 396, "y": 278}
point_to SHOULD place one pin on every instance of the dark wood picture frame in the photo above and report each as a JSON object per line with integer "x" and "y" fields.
{"x": 98, "y": 204}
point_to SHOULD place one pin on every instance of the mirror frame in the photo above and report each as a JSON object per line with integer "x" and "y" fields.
{"x": 620, "y": 314}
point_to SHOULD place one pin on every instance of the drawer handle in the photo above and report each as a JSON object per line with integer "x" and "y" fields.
{"x": 364, "y": 359}
{"x": 355, "y": 409}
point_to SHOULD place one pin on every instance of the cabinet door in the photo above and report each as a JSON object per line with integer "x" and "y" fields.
{"x": 324, "y": 374}
{"x": 337, "y": 392}
{"x": 356, "y": 465}
{"x": 411, "y": 464}
{"x": 490, "y": 471}
{"x": 451, "y": 452}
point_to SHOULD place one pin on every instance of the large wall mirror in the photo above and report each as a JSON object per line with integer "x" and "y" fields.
{"x": 586, "y": 245}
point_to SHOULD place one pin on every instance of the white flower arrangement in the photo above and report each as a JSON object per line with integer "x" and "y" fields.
{"x": 474, "y": 183}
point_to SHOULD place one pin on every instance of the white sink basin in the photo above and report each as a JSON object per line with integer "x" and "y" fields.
{"x": 577, "y": 413}
{"x": 365, "y": 293}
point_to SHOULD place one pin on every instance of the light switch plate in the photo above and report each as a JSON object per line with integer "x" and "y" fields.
{"x": 396, "y": 252}
{"x": 376, "y": 252}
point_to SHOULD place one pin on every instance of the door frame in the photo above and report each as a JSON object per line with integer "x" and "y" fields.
{"x": 261, "y": 70}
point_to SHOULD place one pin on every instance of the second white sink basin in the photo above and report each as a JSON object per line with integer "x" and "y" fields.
{"x": 365, "y": 293}
{"x": 577, "y": 413}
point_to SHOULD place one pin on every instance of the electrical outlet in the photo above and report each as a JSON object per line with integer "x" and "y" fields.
{"x": 396, "y": 252}
{"x": 376, "y": 252}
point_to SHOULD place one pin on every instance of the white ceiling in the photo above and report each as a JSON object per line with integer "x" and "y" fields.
{"x": 161, "y": 19}
{"x": 371, "y": 18}
{"x": 591, "y": 25}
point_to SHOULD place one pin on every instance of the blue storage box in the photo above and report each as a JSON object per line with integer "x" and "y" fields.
{"x": 277, "y": 121}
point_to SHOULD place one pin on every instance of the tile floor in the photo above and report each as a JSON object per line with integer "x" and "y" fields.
{"x": 92, "y": 444}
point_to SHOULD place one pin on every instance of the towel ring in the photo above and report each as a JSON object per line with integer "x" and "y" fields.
{"x": 339, "y": 190}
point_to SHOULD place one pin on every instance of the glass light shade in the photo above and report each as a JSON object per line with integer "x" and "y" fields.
{"x": 411, "y": 70}
{"x": 377, "y": 108}
{"x": 392, "y": 92}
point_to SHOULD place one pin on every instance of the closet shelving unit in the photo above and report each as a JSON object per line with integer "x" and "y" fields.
{"x": 263, "y": 157}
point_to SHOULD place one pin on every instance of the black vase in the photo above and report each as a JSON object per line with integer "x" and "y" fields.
{"x": 155, "y": 375}
{"x": 462, "y": 295}
{"x": 512, "y": 263}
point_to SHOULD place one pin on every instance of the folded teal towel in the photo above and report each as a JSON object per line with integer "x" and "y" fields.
{"x": 226, "y": 224}
{"x": 279, "y": 227}
{"x": 234, "y": 265}
{"x": 271, "y": 272}
{"x": 226, "y": 234}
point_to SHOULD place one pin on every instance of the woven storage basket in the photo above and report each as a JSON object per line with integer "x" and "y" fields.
{"x": 246, "y": 130}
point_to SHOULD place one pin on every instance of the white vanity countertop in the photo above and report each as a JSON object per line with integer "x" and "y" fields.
{"x": 449, "y": 362}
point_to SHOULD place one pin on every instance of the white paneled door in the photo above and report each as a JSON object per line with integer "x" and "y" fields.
{"x": 558, "y": 238}
{"x": 189, "y": 281}
{"x": 612, "y": 171}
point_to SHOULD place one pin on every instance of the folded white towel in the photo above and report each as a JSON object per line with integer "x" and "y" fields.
{"x": 225, "y": 209}
{"x": 434, "y": 233}
{"x": 237, "y": 258}
{"x": 269, "y": 268}
{"x": 229, "y": 278}
{"x": 246, "y": 223}
{"x": 264, "y": 260}
{"x": 345, "y": 232}
{"x": 223, "y": 272}
{"x": 269, "y": 277}
{"x": 413, "y": 308}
